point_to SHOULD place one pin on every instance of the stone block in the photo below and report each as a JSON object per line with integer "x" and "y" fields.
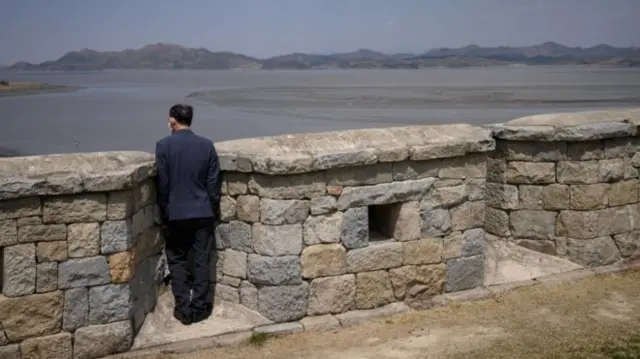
{"x": 334, "y": 191}
{"x": 300, "y": 186}
{"x": 408, "y": 170}
{"x": 355, "y": 317}
{"x": 277, "y": 240}
{"x": 452, "y": 246}
{"x": 619, "y": 147}
{"x": 623, "y": 192}
{"x": 530, "y": 172}
{"x": 594, "y": 252}
{"x": 148, "y": 244}
{"x": 19, "y": 265}
{"x": 42, "y": 233}
{"x": 443, "y": 196}
{"x": 227, "y": 208}
{"x": 97, "y": 341}
{"x": 76, "y": 309}
{"x": 234, "y": 263}
{"x": 83, "y": 272}
{"x": 86, "y": 207}
{"x": 248, "y": 295}
{"x": 528, "y": 223}
{"x": 374, "y": 289}
{"x": 405, "y": 221}
{"x": 83, "y": 239}
{"x": 235, "y": 235}
{"x": 578, "y": 224}
{"x": 122, "y": 266}
{"x": 423, "y": 251}
{"x": 467, "y": 215}
{"x": 116, "y": 236}
{"x": 497, "y": 222}
{"x": 475, "y": 189}
{"x": 145, "y": 193}
{"x": 611, "y": 170}
{"x": 355, "y": 228}
{"x": 464, "y": 273}
{"x": 57, "y": 346}
{"x": 276, "y": 212}
{"x": 323, "y": 260}
{"x": 435, "y": 222}
{"x": 52, "y": 251}
{"x": 284, "y": 270}
{"x": 46, "y": 277}
{"x": 280, "y": 329}
{"x": 31, "y": 316}
{"x": 473, "y": 242}
{"x": 226, "y": 293}
{"x": 20, "y": 207}
{"x": 503, "y": 196}
{"x": 322, "y": 205}
{"x": 530, "y": 197}
{"x": 417, "y": 281}
{"x": 387, "y": 193}
{"x": 248, "y": 208}
{"x": 284, "y": 303}
{"x": 8, "y": 233}
{"x": 320, "y": 323}
{"x": 470, "y": 166}
{"x": 360, "y": 175}
{"x": 556, "y": 197}
{"x": 323, "y": 228}
{"x": 375, "y": 257}
{"x": 28, "y": 221}
{"x": 589, "y": 196}
{"x": 10, "y": 351}
{"x": 532, "y": 151}
{"x": 120, "y": 205}
{"x": 578, "y": 172}
{"x": 496, "y": 170}
{"x": 110, "y": 303}
{"x": 628, "y": 244}
{"x": 332, "y": 295}
{"x": 584, "y": 151}
{"x": 236, "y": 183}
{"x": 538, "y": 245}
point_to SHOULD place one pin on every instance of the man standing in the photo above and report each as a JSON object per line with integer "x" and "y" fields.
{"x": 188, "y": 198}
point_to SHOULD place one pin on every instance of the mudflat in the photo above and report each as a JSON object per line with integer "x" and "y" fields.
{"x": 30, "y": 88}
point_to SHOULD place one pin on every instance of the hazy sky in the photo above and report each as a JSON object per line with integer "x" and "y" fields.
{"x": 38, "y": 30}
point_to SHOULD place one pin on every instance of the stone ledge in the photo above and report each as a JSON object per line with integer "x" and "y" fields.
{"x": 62, "y": 174}
{"x": 574, "y": 126}
{"x": 301, "y": 153}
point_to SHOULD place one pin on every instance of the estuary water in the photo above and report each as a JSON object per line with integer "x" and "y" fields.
{"x": 127, "y": 110}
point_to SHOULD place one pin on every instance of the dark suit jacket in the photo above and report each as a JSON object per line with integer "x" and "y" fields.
{"x": 188, "y": 176}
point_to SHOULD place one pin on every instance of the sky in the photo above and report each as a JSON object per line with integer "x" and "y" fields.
{"x": 40, "y": 30}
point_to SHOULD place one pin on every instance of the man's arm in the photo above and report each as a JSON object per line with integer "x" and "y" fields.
{"x": 214, "y": 180}
{"x": 163, "y": 181}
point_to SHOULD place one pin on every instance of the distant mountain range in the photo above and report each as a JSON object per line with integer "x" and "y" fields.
{"x": 169, "y": 56}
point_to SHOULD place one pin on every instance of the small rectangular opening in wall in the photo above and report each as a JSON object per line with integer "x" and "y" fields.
{"x": 382, "y": 221}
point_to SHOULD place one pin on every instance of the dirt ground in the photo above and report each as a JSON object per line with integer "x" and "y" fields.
{"x": 563, "y": 321}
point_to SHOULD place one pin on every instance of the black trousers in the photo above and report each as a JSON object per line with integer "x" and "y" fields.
{"x": 186, "y": 239}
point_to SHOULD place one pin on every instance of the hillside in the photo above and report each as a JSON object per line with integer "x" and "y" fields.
{"x": 168, "y": 56}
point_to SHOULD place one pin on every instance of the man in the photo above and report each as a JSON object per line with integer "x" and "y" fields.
{"x": 188, "y": 198}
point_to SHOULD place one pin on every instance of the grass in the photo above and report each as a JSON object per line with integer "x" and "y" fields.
{"x": 258, "y": 339}
{"x": 596, "y": 318}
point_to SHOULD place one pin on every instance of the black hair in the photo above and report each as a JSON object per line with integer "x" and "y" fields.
{"x": 182, "y": 113}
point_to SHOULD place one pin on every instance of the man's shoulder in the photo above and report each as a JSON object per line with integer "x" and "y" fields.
{"x": 161, "y": 142}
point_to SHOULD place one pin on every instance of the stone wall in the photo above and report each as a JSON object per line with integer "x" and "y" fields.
{"x": 79, "y": 251}
{"x": 363, "y": 224}
{"x": 567, "y": 185}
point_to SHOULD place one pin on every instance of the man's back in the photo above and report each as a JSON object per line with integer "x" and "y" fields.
{"x": 188, "y": 175}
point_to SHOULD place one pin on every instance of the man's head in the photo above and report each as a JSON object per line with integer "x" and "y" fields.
{"x": 180, "y": 117}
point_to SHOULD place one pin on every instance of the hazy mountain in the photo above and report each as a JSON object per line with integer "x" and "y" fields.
{"x": 169, "y": 56}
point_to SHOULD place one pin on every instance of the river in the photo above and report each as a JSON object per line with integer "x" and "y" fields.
{"x": 127, "y": 110}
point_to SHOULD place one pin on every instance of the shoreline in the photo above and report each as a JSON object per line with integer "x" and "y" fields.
{"x": 25, "y": 89}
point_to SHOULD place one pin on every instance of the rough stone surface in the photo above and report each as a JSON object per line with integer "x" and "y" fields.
{"x": 110, "y": 303}
{"x": 42, "y": 233}
{"x": 76, "y": 309}
{"x": 323, "y": 228}
{"x": 467, "y": 215}
{"x": 464, "y": 273}
{"x": 98, "y": 341}
{"x": 122, "y": 266}
{"x": 83, "y": 272}
{"x": 423, "y": 251}
{"x": 10, "y": 351}
{"x": 435, "y": 222}
{"x": 629, "y": 244}
{"x": 57, "y": 346}
{"x": 20, "y": 208}
{"x": 285, "y": 303}
{"x": 375, "y": 257}
{"x": 47, "y": 277}
{"x": 235, "y": 235}
{"x": 578, "y": 172}
{"x": 530, "y": 172}
{"x": 88, "y": 207}
{"x": 320, "y": 323}
{"x": 248, "y": 208}
{"x": 280, "y": 240}
{"x": 52, "y": 251}
{"x": 332, "y": 295}
{"x": 248, "y": 295}
{"x": 274, "y": 270}
{"x": 411, "y": 190}
{"x": 234, "y": 263}
{"x": 322, "y": 205}
{"x": 19, "y": 277}
{"x": 533, "y": 224}
{"x": 31, "y": 316}
{"x": 83, "y": 239}
{"x": 277, "y": 212}
{"x": 406, "y": 222}
{"x": 8, "y": 233}
{"x": 374, "y": 289}
{"x": 323, "y": 260}
{"x": 355, "y": 228}
{"x": 414, "y": 281}
{"x": 116, "y": 236}
{"x": 599, "y": 251}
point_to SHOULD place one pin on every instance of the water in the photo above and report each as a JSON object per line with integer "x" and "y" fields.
{"x": 127, "y": 110}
